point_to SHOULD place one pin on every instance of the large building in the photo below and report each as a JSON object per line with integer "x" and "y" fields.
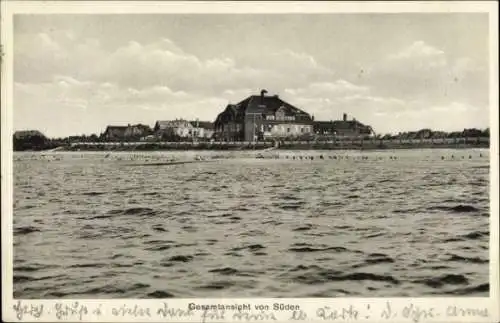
{"x": 342, "y": 128}
{"x": 261, "y": 117}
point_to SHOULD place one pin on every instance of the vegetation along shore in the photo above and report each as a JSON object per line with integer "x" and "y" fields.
{"x": 35, "y": 140}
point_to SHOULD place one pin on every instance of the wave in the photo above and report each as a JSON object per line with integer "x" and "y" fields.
{"x": 102, "y": 216}
{"x": 447, "y": 279}
{"x": 229, "y": 271}
{"x": 181, "y": 258}
{"x": 476, "y": 235}
{"x": 290, "y": 206}
{"x": 475, "y": 260}
{"x": 93, "y": 193}
{"x": 376, "y": 258}
{"x": 324, "y": 276}
{"x": 33, "y": 267}
{"x": 159, "y": 228}
{"x": 160, "y": 294}
{"x": 106, "y": 290}
{"x": 304, "y": 267}
{"x": 303, "y": 228}
{"x": 218, "y": 285}
{"x": 142, "y": 211}
{"x": 482, "y": 288}
{"x": 26, "y": 230}
{"x": 23, "y": 278}
{"x": 252, "y": 247}
{"x": 310, "y": 249}
{"x": 89, "y": 265}
{"x": 461, "y": 208}
{"x": 159, "y": 248}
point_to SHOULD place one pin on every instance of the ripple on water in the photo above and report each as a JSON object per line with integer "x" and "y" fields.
{"x": 204, "y": 230}
{"x": 447, "y": 279}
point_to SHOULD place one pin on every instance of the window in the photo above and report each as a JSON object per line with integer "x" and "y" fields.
{"x": 287, "y": 129}
{"x": 302, "y": 129}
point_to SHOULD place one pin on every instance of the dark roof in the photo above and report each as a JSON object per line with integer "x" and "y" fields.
{"x": 267, "y": 105}
{"x": 142, "y": 126}
{"x": 261, "y": 105}
{"x": 337, "y": 125}
{"x": 116, "y": 129}
{"x": 203, "y": 124}
{"x": 165, "y": 124}
{"x": 27, "y": 133}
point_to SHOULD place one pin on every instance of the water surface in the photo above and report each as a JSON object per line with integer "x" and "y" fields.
{"x": 365, "y": 224}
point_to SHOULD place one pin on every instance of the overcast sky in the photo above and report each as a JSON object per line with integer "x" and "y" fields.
{"x": 77, "y": 74}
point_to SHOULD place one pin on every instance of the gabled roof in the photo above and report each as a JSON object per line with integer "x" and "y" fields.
{"x": 202, "y": 124}
{"x": 268, "y": 105}
{"x": 117, "y": 130}
{"x": 265, "y": 105}
{"x": 141, "y": 126}
{"x": 165, "y": 124}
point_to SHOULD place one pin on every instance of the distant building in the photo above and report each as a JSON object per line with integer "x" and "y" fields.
{"x": 173, "y": 129}
{"x": 342, "y": 128}
{"x": 114, "y": 133}
{"x": 424, "y": 134}
{"x": 202, "y": 129}
{"x": 22, "y": 134}
{"x": 29, "y": 140}
{"x": 183, "y": 129}
{"x": 129, "y": 132}
{"x": 262, "y": 117}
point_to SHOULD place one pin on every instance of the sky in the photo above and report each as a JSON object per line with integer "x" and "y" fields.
{"x": 76, "y": 74}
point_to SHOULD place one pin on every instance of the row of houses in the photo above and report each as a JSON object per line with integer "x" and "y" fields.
{"x": 258, "y": 117}
{"x": 166, "y": 130}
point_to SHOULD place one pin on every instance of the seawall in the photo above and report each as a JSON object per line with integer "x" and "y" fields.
{"x": 454, "y": 143}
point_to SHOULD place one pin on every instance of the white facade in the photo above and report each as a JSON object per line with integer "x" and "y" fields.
{"x": 286, "y": 130}
{"x": 201, "y": 133}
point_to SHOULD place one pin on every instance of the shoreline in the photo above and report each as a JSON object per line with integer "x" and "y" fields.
{"x": 265, "y": 148}
{"x": 336, "y": 145}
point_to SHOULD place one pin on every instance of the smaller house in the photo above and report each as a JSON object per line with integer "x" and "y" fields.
{"x": 129, "y": 132}
{"x": 342, "y": 128}
{"x": 113, "y": 133}
{"x": 29, "y": 140}
{"x": 439, "y": 134}
{"x": 202, "y": 129}
{"x": 137, "y": 131}
{"x": 424, "y": 134}
{"x": 173, "y": 129}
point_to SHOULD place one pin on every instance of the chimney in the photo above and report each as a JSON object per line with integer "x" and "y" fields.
{"x": 345, "y": 117}
{"x": 262, "y": 92}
